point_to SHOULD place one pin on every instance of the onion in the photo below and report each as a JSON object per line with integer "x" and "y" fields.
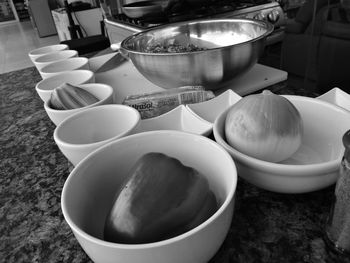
{"x": 265, "y": 126}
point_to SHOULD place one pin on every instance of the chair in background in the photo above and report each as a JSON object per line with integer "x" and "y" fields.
{"x": 319, "y": 51}
{"x": 334, "y": 55}
{"x": 84, "y": 44}
{"x": 299, "y": 47}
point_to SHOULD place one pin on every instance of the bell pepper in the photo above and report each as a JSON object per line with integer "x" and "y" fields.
{"x": 161, "y": 198}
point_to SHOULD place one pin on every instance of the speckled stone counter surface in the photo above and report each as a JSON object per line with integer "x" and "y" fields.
{"x": 266, "y": 227}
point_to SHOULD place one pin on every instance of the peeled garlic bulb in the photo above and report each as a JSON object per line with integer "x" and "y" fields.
{"x": 265, "y": 126}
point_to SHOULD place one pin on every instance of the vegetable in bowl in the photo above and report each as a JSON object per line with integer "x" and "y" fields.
{"x": 92, "y": 186}
{"x": 265, "y": 126}
{"x": 161, "y": 198}
{"x": 172, "y": 48}
{"x": 313, "y": 166}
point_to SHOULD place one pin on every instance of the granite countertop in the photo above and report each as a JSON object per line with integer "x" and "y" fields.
{"x": 266, "y": 227}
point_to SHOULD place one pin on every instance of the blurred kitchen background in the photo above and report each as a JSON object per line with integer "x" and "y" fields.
{"x": 311, "y": 38}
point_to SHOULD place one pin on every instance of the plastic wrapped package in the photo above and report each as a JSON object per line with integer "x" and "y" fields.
{"x": 156, "y": 103}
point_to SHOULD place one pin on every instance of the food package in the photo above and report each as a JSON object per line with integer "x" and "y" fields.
{"x": 156, "y": 103}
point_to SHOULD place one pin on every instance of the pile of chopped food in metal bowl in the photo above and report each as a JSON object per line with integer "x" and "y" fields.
{"x": 173, "y": 48}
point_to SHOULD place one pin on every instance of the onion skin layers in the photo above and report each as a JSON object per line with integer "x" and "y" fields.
{"x": 265, "y": 126}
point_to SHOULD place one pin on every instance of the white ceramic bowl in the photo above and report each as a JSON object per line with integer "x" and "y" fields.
{"x": 46, "y": 50}
{"x": 47, "y": 59}
{"x": 89, "y": 190}
{"x": 64, "y": 65}
{"x": 85, "y": 131}
{"x": 104, "y": 93}
{"x": 179, "y": 119}
{"x": 45, "y": 87}
{"x": 314, "y": 166}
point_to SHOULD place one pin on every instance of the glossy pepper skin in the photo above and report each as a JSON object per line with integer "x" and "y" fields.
{"x": 162, "y": 198}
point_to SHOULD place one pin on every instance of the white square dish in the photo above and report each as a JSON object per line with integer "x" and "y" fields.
{"x": 210, "y": 109}
{"x": 338, "y": 97}
{"x": 180, "y": 119}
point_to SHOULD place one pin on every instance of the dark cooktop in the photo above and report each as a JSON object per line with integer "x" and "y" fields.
{"x": 185, "y": 12}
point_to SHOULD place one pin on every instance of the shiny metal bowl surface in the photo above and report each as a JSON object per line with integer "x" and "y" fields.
{"x": 232, "y": 47}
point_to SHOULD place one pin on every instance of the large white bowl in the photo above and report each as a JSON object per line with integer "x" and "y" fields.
{"x": 64, "y": 65}
{"x": 45, "y": 87}
{"x": 87, "y": 130}
{"x": 89, "y": 190}
{"x": 314, "y": 166}
{"x": 47, "y": 59}
{"x": 33, "y": 54}
{"x": 103, "y": 92}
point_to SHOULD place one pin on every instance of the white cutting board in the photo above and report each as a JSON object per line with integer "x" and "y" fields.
{"x": 126, "y": 80}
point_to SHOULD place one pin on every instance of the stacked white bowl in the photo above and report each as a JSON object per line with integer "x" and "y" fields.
{"x": 103, "y": 92}
{"x": 45, "y": 87}
{"x": 65, "y": 65}
{"x": 34, "y": 54}
{"x": 45, "y": 60}
{"x": 85, "y": 131}
{"x": 57, "y": 65}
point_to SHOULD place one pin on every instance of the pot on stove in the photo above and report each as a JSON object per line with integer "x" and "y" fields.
{"x": 140, "y": 9}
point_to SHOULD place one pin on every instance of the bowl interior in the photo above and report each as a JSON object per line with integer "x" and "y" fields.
{"x": 75, "y": 77}
{"x": 101, "y": 91}
{"x": 97, "y": 124}
{"x": 88, "y": 192}
{"x": 65, "y": 65}
{"x": 320, "y": 143}
{"x": 206, "y": 34}
{"x": 48, "y": 49}
{"x": 59, "y": 55}
{"x": 179, "y": 118}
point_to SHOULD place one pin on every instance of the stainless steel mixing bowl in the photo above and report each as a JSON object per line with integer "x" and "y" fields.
{"x": 232, "y": 46}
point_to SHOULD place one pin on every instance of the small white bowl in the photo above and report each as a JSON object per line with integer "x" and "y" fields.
{"x": 103, "y": 92}
{"x": 47, "y": 59}
{"x": 46, "y": 50}
{"x": 337, "y": 97}
{"x": 179, "y": 119}
{"x": 89, "y": 190}
{"x": 45, "y": 87}
{"x": 210, "y": 109}
{"x": 314, "y": 166}
{"x": 64, "y": 65}
{"x": 87, "y": 130}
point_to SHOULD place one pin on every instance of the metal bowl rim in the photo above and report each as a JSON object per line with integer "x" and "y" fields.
{"x": 269, "y": 28}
